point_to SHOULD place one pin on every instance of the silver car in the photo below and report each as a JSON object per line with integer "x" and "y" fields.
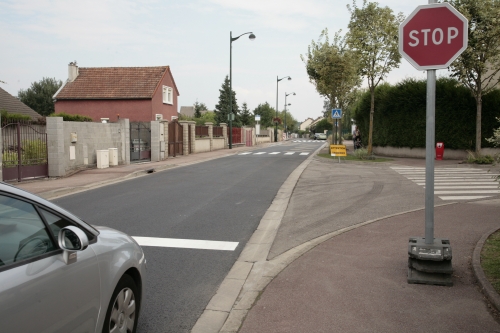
{"x": 60, "y": 274}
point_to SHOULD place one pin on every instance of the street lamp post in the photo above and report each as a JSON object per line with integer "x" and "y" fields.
{"x": 231, "y": 40}
{"x": 285, "y": 110}
{"x": 276, "y": 124}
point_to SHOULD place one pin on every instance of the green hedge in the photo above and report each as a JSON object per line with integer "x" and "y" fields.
{"x": 13, "y": 117}
{"x": 71, "y": 117}
{"x": 399, "y": 119}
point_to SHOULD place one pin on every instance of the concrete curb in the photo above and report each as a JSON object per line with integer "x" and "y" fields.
{"x": 484, "y": 283}
{"x": 61, "y": 192}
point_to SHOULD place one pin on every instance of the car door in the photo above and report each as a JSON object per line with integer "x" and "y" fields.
{"x": 38, "y": 291}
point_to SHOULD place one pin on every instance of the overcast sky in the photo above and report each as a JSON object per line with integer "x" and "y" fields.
{"x": 39, "y": 38}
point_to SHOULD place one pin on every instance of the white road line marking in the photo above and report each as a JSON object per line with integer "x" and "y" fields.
{"x": 460, "y": 183}
{"x": 304, "y": 154}
{"x": 464, "y": 197}
{"x": 260, "y": 153}
{"x": 274, "y": 153}
{"x": 463, "y": 177}
{"x": 290, "y": 153}
{"x": 463, "y": 187}
{"x": 468, "y": 192}
{"x": 186, "y": 243}
{"x": 245, "y": 153}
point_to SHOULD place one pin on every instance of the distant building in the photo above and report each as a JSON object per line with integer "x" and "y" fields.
{"x": 305, "y": 124}
{"x": 188, "y": 111}
{"x": 111, "y": 93}
{"x": 12, "y": 105}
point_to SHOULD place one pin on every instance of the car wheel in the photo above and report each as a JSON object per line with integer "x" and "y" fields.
{"x": 123, "y": 309}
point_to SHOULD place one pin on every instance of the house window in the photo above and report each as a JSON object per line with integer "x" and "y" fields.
{"x": 168, "y": 95}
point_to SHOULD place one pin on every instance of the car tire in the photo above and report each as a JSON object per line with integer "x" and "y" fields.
{"x": 123, "y": 309}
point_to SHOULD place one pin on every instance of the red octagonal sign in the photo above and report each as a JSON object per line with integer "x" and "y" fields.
{"x": 433, "y": 36}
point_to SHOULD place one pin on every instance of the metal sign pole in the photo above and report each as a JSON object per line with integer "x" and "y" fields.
{"x": 429, "y": 156}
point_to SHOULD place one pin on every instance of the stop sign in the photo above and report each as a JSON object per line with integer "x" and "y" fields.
{"x": 433, "y": 36}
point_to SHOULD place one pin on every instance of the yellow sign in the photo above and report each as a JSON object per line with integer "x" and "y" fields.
{"x": 338, "y": 150}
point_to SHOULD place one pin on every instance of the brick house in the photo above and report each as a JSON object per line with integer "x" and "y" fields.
{"x": 134, "y": 93}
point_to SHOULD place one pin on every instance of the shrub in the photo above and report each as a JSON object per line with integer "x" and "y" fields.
{"x": 472, "y": 157}
{"x": 13, "y": 117}
{"x": 71, "y": 117}
{"x": 361, "y": 153}
{"x": 33, "y": 152}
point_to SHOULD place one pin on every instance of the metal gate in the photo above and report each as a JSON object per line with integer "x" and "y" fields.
{"x": 24, "y": 152}
{"x": 140, "y": 141}
{"x": 248, "y": 140}
{"x": 175, "y": 138}
{"x": 236, "y": 138}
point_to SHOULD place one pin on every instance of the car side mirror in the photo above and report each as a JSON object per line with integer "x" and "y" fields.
{"x": 71, "y": 239}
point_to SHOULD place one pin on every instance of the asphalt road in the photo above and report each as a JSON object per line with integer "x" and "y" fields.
{"x": 220, "y": 200}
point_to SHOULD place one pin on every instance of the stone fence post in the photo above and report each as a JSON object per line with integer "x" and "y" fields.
{"x": 224, "y": 133}
{"x": 192, "y": 129}
{"x": 125, "y": 137}
{"x": 55, "y": 146}
{"x": 211, "y": 134}
{"x": 155, "y": 141}
{"x": 165, "y": 133}
{"x": 185, "y": 137}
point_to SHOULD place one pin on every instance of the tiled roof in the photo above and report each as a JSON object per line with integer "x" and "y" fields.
{"x": 13, "y": 105}
{"x": 187, "y": 111}
{"x": 113, "y": 83}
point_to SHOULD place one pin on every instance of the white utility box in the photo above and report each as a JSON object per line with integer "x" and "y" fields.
{"x": 113, "y": 156}
{"x": 102, "y": 159}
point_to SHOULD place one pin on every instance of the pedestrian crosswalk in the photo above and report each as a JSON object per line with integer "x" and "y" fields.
{"x": 455, "y": 183}
{"x": 274, "y": 153}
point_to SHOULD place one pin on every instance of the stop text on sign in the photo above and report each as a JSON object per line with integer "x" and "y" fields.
{"x": 437, "y": 36}
{"x": 433, "y": 36}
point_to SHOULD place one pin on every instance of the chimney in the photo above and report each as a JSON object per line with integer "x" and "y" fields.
{"x": 72, "y": 71}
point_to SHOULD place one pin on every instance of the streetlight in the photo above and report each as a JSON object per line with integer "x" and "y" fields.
{"x": 276, "y": 124}
{"x": 231, "y": 116}
{"x": 285, "y": 110}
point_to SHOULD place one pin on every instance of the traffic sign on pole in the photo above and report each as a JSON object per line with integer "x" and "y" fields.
{"x": 433, "y": 36}
{"x": 336, "y": 113}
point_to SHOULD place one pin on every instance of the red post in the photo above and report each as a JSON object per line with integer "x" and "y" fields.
{"x": 439, "y": 150}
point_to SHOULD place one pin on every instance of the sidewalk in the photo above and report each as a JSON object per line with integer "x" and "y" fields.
{"x": 356, "y": 281}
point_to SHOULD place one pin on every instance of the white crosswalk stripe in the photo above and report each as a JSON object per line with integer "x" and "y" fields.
{"x": 452, "y": 184}
{"x": 275, "y": 153}
{"x": 317, "y": 141}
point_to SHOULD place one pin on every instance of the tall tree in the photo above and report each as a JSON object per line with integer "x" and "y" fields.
{"x": 198, "y": 107}
{"x": 247, "y": 118}
{"x": 332, "y": 68}
{"x": 222, "y": 108}
{"x": 266, "y": 113}
{"x": 478, "y": 66}
{"x": 39, "y": 95}
{"x": 373, "y": 35}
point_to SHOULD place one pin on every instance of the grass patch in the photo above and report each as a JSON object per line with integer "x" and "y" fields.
{"x": 354, "y": 158}
{"x": 490, "y": 260}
